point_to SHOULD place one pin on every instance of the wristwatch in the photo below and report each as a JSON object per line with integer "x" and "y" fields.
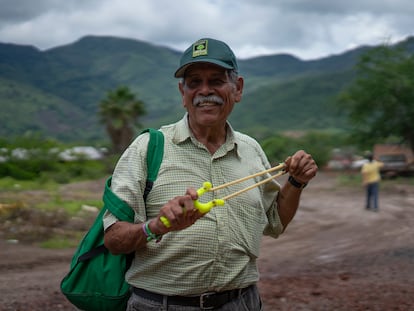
{"x": 296, "y": 184}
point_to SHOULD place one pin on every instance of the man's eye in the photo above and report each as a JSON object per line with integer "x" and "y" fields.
{"x": 217, "y": 82}
{"x": 193, "y": 83}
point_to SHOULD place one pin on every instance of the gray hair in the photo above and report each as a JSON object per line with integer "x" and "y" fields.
{"x": 233, "y": 75}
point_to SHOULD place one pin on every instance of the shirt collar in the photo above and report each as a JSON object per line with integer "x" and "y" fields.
{"x": 183, "y": 132}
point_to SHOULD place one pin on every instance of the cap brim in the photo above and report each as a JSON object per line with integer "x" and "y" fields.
{"x": 180, "y": 71}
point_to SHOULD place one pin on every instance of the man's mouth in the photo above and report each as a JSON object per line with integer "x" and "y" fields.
{"x": 207, "y": 104}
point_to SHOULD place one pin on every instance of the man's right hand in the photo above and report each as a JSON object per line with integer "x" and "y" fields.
{"x": 179, "y": 211}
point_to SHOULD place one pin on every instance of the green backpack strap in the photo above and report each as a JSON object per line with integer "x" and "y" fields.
{"x": 115, "y": 205}
{"x": 155, "y": 153}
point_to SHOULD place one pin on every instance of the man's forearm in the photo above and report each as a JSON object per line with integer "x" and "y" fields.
{"x": 124, "y": 238}
{"x": 288, "y": 203}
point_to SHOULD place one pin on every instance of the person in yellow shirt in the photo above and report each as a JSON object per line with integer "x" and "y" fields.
{"x": 371, "y": 178}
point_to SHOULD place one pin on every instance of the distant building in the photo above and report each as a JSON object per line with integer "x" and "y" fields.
{"x": 81, "y": 152}
{"x": 71, "y": 154}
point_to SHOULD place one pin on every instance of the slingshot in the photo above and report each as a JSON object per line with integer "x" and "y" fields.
{"x": 207, "y": 186}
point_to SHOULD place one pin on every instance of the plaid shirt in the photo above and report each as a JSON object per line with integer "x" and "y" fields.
{"x": 219, "y": 251}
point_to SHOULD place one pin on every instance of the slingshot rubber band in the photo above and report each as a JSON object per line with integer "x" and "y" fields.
{"x": 207, "y": 186}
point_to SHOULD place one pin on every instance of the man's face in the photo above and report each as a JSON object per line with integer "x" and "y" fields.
{"x": 209, "y": 94}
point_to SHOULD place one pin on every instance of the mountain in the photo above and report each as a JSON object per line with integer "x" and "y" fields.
{"x": 56, "y": 92}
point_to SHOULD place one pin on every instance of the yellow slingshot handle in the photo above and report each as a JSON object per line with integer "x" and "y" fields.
{"x": 206, "y": 207}
{"x": 202, "y": 207}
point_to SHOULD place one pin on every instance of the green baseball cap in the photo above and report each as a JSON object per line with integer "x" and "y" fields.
{"x": 207, "y": 51}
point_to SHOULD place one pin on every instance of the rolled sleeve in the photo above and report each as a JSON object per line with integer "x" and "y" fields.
{"x": 274, "y": 227}
{"x": 128, "y": 180}
{"x": 108, "y": 219}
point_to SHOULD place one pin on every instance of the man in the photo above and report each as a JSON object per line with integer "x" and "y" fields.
{"x": 370, "y": 179}
{"x": 203, "y": 261}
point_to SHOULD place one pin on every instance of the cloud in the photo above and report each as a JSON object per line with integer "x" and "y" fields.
{"x": 307, "y": 29}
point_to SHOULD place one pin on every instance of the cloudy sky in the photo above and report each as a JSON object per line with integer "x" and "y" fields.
{"x": 309, "y": 29}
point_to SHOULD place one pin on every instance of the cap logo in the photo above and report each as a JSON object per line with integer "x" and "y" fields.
{"x": 200, "y": 48}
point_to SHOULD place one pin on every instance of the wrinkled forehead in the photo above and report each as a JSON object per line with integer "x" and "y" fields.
{"x": 204, "y": 69}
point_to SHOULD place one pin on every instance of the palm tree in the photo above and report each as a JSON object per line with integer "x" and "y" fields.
{"x": 120, "y": 111}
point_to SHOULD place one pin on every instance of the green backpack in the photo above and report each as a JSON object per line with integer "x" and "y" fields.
{"x": 96, "y": 280}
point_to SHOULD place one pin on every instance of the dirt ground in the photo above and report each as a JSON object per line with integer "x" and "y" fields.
{"x": 335, "y": 255}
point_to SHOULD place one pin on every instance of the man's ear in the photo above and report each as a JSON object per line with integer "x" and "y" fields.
{"x": 239, "y": 89}
{"x": 181, "y": 89}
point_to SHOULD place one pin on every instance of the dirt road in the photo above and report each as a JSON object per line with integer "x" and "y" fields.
{"x": 334, "y": 256}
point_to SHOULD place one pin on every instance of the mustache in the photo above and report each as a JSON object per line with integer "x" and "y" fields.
{"x": 208, "y": 99}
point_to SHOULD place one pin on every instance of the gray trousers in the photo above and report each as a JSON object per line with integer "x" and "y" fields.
{"x": 248, "y": 301}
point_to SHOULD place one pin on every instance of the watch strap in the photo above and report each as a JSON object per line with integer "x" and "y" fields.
{"x": 295, "y": 183}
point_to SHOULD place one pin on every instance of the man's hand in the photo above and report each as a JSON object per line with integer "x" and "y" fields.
{"x": 124, "y": 237}
{"x": 179, "y": 211}
{"x": 301, "y": 166}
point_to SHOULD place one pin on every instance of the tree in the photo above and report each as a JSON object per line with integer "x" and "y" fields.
{"x": 120, "y": 111}
{"x": 380, "y": 101}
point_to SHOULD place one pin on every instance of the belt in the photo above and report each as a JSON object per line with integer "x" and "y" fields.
{"x": 206, "y": 301}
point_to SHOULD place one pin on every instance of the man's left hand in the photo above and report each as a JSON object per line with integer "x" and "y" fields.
{"x": 301, "y": 166}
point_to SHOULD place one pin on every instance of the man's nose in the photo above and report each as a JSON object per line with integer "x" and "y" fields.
{"x": 205, "y": 88}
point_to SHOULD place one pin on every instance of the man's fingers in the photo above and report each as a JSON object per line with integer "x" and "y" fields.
{"x": 301, "y": 166}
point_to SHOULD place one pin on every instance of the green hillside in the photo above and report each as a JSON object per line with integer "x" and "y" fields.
{"x": 56, "y": 92}
{"x": 28, "y": 108}
{"x": 300, "y": 104}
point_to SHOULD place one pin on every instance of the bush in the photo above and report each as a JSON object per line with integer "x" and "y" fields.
{"x": 16, "y": 171}
{"x": 52, "y": 169}
{"x": 32, "y": 157}
{"x": 318, "y": 144}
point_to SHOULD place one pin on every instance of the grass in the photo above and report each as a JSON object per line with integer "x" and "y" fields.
{"x": 58, "y": 242}
{"x": 45, "y": 213}
{"x": 53, "y": 200}
{"x": 71, "y": 207}
{"x": 11, "y": 184}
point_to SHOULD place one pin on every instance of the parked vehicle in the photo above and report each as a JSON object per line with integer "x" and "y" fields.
{"x": 398, "y": 160}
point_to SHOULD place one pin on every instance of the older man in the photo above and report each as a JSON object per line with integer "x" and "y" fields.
{"x": 204, "y": 261}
